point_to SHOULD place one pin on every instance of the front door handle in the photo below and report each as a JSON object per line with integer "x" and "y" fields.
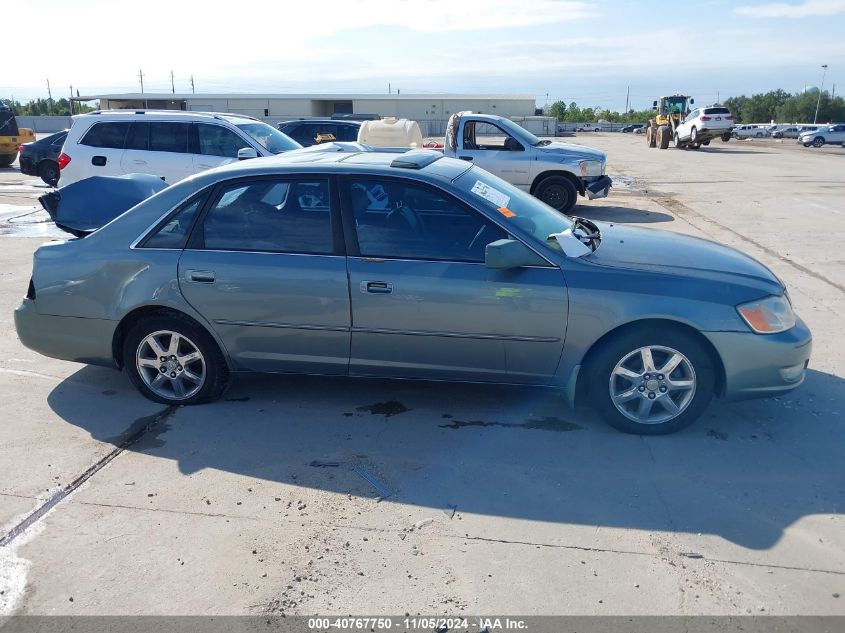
{"x": 469, "y": 158}
{"x": 202, "y": 276}
{"x": 376, "y": 287}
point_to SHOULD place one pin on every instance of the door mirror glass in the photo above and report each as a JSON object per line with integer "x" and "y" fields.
{"x": 508, "y": 253}
{"x": 511, "y": 144}
{"x": 245, "y": 153}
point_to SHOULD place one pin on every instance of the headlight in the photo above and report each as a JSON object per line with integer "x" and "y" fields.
{"x": 590, "y": 167}
{"x": 768, "y": 316}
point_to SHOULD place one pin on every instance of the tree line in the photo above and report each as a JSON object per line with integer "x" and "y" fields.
{"x": 46, "y": 107}
{"x": 775, "y": 105}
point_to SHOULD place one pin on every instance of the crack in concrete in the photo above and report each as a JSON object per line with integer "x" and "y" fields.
{"x": 139, "y": 428}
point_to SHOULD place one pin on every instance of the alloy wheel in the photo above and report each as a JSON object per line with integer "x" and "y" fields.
{"x": 171, "y": 365}
{"x": 652, "y": 384}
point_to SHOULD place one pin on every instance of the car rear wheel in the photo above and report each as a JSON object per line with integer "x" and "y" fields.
{"x": 693, "y": 134}
{"x": 7, "y": 159}
{"x": 726, "y": 137}
{"x": 651, "y": 381}
{"x": 173, "y": 360}
{"x": 49, "y": 172}
{"x": 818, "y": 141}
{"x": 557, "y": 192}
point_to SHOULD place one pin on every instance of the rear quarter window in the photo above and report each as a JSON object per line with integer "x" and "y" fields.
{"x": 108, "y": 134}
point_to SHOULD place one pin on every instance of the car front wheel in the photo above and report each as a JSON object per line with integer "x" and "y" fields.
{"x": 557, "y": 192}
{"x": 173, "y": 360}
{"x": 818, "y": 142}
{"x": 651, "y": 381}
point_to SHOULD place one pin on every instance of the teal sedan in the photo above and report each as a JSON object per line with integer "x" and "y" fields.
{"x": 414, "y": 265}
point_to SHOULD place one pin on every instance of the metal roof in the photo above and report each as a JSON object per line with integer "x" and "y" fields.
{"x": 167, "y": 96}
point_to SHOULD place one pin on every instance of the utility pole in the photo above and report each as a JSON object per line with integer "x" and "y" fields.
{"x": 172, "y": 87}
{"x": 819, "y": 100}
{"x": 192, "y": 84}
{"x": 388, "y": 88}
{"x": 627, "y": 98}
{"x": 49, "y": 96}
{"x": 141, "y": 77}
{"x": 71, "y": 100}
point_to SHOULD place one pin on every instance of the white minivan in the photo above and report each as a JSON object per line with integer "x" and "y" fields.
{"x": 170, "y": 144}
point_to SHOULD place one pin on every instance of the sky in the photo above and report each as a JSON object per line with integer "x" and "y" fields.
{"x": 590, "y": 52}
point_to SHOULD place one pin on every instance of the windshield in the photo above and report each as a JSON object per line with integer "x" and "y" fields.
{"x": 517, "y": 206}
{"x": 518, "y": 132}
{"x": 674, "y": 104}
{"x": 270, "y": 138}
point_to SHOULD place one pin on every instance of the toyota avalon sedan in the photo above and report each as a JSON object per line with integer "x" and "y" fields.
{"x": 410, "y": 266}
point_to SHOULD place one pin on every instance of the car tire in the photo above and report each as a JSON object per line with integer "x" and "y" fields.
{"x": 758, "y": 135}
{"x": 693, "y": 134}
{"x": 664, "y": 134}
{"x": 7, "y": 159}
{"x": 557, "y": 192}
{"x": 49, "y": 172}
{"x": 706, "y": 143}
{"x": 193, "y": 370}
{"x": 628, "y": 403}
{"x": 818, "y": 141}
{"x": 676, "y": 141}
{"x": 726, "y": 137}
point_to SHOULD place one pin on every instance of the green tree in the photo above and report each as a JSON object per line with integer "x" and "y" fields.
{"x": 558, "y": 110}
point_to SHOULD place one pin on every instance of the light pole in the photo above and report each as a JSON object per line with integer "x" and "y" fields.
{"x": 819, "y": 100}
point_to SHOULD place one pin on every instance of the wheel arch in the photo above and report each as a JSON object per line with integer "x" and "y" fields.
{"x": 137, "y": 314}
{"x": 678, "y": 326}
{"x": 556, "y": 173}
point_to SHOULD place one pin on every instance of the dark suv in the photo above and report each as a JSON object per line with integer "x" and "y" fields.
{"x": 40, "y": 158}
{"x": 309, "y": 132}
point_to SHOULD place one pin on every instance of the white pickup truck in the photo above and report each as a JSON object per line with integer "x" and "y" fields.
{"x": 554, "y": 172}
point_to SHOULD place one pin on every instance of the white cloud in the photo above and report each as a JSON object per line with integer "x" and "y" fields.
{"x": 808, "y": 8}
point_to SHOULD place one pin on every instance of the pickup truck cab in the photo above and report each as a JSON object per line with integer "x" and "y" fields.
{"x": 556, "y": 173}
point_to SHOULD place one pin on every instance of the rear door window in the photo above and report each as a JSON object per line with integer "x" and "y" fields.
{"x": 139, "y": 136}
{"x": 108, "y": 134}
{"x": 169, "y": 137}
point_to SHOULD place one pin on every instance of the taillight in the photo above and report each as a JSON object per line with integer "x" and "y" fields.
{"x": 64, "y": 159}
{"x": 704, "y": 118}
{"x": 21, "y": 148}
{"x": 729, "y": 116}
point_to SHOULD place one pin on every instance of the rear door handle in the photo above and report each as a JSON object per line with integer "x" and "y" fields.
{"x": 465, "y": 157}
{"x": 376, "y": 287}
{"x": 202, "y": 276}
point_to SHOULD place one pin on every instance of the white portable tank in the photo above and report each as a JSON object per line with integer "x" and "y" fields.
{"x": 391, "y": 132}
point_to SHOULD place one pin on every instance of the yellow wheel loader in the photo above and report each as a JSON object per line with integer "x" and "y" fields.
{"x": 668, "y": 114}
{"x": 11, "y": 136}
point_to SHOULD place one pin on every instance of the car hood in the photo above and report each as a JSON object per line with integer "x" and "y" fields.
{"x": 664, "y": 252}
{"x": 573, "y": 151}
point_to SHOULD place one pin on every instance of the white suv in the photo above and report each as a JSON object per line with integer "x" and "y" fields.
{"x": 170, "y": 144}
{"x": 702, "y": 125}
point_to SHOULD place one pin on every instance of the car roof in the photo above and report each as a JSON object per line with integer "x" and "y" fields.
{"x": 120, "y": 115}
{"x": 324, "y": 120}
{"x": 430, "y": 164}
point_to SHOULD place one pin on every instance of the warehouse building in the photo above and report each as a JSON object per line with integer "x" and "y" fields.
{"x": 430, "y": 110}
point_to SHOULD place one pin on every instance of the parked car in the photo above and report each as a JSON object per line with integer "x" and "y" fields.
{"x": 458, "y": 277}
{"x": 640, "y": 130}
{"x": 632, "y": 128}
{"x": 41, "y": 158}
{"x": 557, "y": 173}
{"x": 702, "y": 125}
{"x": 791, "y": 131}
{"x": 309, "y": 132}
{"x": 749, "y": 131}
{"x": 170, "y": 144}
{"x": 830, "y": 134}
{"x": 589, "y": 127}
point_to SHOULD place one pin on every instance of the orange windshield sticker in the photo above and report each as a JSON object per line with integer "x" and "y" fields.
{"x": 507, "y": 212}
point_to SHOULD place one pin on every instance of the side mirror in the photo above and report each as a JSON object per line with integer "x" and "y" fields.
{"x": 692, "y": 101}
{"x": 245, "y": 153}
{"x": 503, "y": 254}
{"x": 654, "y": 106}
{"x": 511, "y": 144}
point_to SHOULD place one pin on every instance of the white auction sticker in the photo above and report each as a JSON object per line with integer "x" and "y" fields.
{"x": 489, "y": 193}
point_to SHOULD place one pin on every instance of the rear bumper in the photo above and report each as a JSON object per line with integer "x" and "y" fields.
{"x": 27, "y": 167}
{"x": 66, "y": 338}
{"x": 763, "y": 365}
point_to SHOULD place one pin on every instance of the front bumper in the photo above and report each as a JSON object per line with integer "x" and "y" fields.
{"x": 66, "y": 338}
{"x": 598, "y": 188}
{"x": 763, "y": 365}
